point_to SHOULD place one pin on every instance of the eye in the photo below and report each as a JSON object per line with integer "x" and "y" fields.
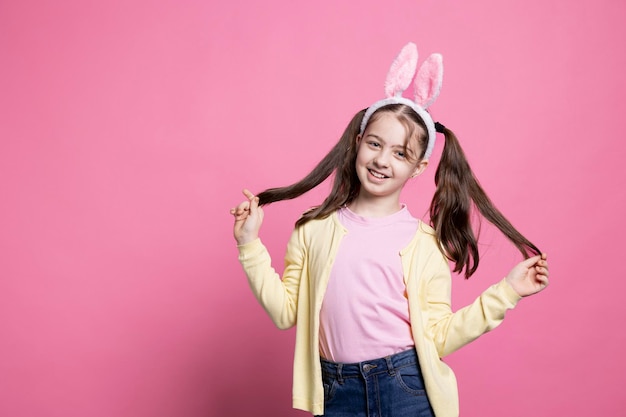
{"x": 373, "y": 144}
{"x": 401, "y": 154}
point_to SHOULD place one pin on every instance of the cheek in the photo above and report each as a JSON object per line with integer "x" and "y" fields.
{"x": 361, "y": 155}
{"x": 407, "y": 170}
{"x": 359, "y": 163}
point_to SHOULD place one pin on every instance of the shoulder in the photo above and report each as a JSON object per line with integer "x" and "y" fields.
{"x": 313, "y": 225}
{"x": 426, "y": 229}
{"x": 425, "y": 240}
{"x": 318, "y": 229}
{"x": 427, "y": 236}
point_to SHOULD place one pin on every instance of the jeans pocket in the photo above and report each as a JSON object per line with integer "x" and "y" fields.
{"x": 410, "y": 379}
{"x": 330, "y": 386}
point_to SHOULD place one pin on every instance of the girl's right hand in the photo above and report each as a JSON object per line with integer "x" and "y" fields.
{"x": 248, "y": 219}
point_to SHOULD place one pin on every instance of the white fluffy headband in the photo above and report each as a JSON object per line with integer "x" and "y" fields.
{"x": 427, "y": 87}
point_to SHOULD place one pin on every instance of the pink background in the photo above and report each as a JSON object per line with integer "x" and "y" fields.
{"x": 128, "y": 129}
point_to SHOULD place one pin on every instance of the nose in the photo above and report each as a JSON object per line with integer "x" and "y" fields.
{"x": 382, "y": 159}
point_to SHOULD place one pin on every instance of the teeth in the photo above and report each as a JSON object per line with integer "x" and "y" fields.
{"x": 377, "y": 175}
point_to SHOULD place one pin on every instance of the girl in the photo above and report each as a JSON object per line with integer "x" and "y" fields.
{"x": 367, "y": 283}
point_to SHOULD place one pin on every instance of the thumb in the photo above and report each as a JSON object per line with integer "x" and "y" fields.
{"x": 254, "y": 201}
{"x": 530, "y": 262}
{"x": 254, "y": 205}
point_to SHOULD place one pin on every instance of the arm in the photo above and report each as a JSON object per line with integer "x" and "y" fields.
{"x": 278, "y": 297}
{"x": 451, "y": 331}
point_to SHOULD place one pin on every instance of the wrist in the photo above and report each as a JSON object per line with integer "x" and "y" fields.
{"x": 243, "y": 240}
{"x": 511, "y": 289}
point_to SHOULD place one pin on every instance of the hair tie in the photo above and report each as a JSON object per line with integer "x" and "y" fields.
{"x": 427, "y": 86}
{"x": 439, "y": 127}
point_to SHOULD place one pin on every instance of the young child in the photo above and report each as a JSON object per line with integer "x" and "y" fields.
{"x": 367, "y": 283}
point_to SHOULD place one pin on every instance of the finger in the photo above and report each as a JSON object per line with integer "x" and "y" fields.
{"x": 254, "y": 205}
{"x": 241, "y": 211}
{"x": 243, "y": 206}
{"x": 543, "y": 280}
{"x": 542, "y": 272}
{"x": 241, "y": 218}
{"x": 544, "y": 256}
{"x": 248, "y": 194}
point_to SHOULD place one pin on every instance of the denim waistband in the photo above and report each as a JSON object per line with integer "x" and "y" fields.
{"x": 371, "y": 367}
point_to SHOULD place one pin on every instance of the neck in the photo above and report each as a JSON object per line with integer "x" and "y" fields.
{"x": 374, "y": 207}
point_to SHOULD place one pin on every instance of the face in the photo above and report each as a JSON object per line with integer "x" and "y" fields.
{"x": 382, "y": 164}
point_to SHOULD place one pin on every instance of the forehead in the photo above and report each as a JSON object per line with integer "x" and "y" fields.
{"x": 389, "y": 128}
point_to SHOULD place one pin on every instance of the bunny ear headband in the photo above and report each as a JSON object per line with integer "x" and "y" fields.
{"x": 427, "y": 87}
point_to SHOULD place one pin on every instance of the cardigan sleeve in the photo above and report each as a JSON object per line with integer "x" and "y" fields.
{"x": 279, "y": 297}
{"x": 451, "y": 331}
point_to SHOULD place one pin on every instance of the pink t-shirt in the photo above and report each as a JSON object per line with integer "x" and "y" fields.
{"x": 365, "y": 313}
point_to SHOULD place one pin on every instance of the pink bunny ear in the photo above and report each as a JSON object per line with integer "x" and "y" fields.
{"x": 402, "y": 71}
{"x": 428, "y": 81}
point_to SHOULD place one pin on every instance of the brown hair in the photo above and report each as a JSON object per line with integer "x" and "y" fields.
{"x": 457, "y": 193}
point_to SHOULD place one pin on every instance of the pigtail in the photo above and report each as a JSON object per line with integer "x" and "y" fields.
{"x": 457, "y": 194}
{"x": 340, "y": 160}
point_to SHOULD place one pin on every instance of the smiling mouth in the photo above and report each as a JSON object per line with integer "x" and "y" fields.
{"x": 377, "y": 174}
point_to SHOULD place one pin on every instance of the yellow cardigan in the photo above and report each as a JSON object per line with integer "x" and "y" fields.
{"x": 437, "y": 331}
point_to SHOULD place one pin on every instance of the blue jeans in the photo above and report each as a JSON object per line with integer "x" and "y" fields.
{"x": 387, "y": 387}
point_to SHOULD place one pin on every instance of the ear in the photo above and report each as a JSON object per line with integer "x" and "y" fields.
{"x": 421, "y": 167}
{"x": 358, "y": 139}
{"x": 402, "y": 71}
{"x": 428, "y": 81}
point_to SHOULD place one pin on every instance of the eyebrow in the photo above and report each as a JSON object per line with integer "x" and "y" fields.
{"x": 383, "y": 140}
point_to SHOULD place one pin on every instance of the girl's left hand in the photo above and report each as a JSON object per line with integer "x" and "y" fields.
{"x": 529, "y": 276}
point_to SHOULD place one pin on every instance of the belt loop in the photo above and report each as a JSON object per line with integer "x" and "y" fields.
{"x": 390, "y": 367}
{"x": 339, "y": 375}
